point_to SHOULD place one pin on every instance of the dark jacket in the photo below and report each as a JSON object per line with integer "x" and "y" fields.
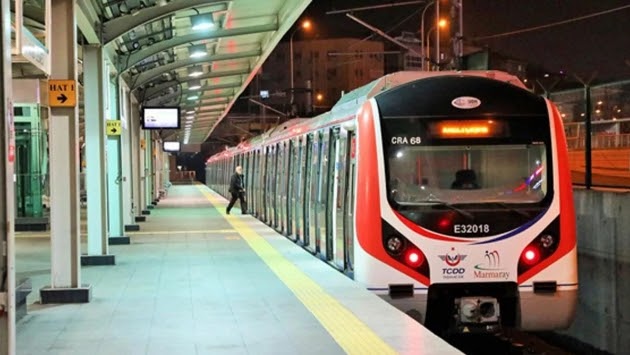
{"x": 236, "y": 183}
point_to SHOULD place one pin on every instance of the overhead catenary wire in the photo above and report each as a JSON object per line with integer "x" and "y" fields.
{"x": 553, "y": 24}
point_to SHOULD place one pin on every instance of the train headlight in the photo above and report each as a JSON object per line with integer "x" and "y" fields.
{"x": 395, "y": 245}
{"x": 547, "y": 240}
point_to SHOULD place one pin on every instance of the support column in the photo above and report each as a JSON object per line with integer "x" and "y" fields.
{"x": 114, "y": 174}
{"x": 148, "y": 171}
{"x": 157, "y": 179}
{"x": 7, "y": 192}
{"x": 65, "y": 286}
{"x": 136, "y": 161}
{"x": 143, "y": 173}
{"x": 125, "y": 159}
{"x": 95, "y": 84}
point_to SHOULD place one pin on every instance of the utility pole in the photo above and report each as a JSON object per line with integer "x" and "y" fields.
{"x": 457, "y": 16}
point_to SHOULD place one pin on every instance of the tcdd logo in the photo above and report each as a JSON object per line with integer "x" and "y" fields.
{"x": 452, "y": 258}
{"x": 453, "y": 271}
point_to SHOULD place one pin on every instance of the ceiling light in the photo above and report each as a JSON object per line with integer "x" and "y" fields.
{"x": 195, "y": 71}
{"x": 202, "y": 22}
{"x": 194, "y": 84}
{"x": 192, "y": 98}
{"x": 197, "y": 50}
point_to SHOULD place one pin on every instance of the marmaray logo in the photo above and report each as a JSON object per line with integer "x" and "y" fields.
{"x": 491, "y": 267}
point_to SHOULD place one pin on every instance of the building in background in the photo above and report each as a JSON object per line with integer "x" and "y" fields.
{"x": 323, "y": 69}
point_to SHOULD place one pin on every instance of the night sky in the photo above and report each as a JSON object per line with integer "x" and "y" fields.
{"x": 599, "y": 44}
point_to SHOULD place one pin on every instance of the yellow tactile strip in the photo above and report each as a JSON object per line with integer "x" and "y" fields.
{"x": 352, "y": 335}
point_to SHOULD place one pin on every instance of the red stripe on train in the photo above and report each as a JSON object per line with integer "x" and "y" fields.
{"x": 368, "y": 217}
{"x": 567, "y": 210}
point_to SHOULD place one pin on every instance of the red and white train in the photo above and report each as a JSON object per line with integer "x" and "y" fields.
{"x": 446, "y": 193}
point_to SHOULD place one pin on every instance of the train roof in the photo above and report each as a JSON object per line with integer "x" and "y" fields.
{"x": 349, "y": 104}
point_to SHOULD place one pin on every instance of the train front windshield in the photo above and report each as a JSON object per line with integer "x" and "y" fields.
{"x": 446, "y": 174}
{"x": 465, "y": 174}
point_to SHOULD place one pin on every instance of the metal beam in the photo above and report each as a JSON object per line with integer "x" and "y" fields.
{"x": 197, "y": 103}
{"x": 384, "y": 35}
{"x": 374, "y": 7}
{"x": 145, "y": 77}
{"x": 118, "y": 26}
{"x": 152, "y": 91}
{"x": 158, "y": 101}
{"x": 203, "y": 88}
{"x": 87, "y": 20}
{"x": 218, "y": 102}
{"x": 127, "y": 62}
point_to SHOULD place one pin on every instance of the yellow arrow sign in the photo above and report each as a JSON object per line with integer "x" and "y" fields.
{"x": 62, "y": 93}
{"x": 114, "y": 128}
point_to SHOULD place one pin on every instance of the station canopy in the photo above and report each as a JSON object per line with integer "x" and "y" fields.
{"x": 196, "y": 54}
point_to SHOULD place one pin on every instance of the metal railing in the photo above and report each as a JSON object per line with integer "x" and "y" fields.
{"x": 597, "y": 126}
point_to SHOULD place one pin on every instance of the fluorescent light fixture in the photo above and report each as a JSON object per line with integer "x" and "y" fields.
{"x": 195, "y": 70}
{"x": 190, "y": 112}
{"x": 202, "y": 22}
{"x": 193, "y": 98}
{"x": 197, "y": 50}
{"x": 194, "y": 84}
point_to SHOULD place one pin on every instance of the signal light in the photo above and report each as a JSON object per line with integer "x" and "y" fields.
{"x": 444, "y": 223}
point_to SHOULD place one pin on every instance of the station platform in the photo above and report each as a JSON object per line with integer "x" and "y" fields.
{"x": 196, "y": 281}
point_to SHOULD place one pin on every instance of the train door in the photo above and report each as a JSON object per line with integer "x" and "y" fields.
{"x": 260, "y": 171}
{"x": 309, "y": 219}
{"x": 251, "y": 192}
{"x": 298, "y": 217}
{"x": 285, "y": 187}
{"x": 338, "y": 200}
{"x": 348, "y": 220}
{"x": 249, "y": 178}
{"x": 322, "y": 195}
{"x": 269, "y": 190}
{"x": 290, "y": 187}
{"x": 280, "y": 193}
{"x": 263, "y": 183}
{"x": 274, "y": 186}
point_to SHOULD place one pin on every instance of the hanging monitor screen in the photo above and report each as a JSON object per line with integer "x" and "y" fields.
{"x": 160, "y": 118}
{"x": 171, "y": 146}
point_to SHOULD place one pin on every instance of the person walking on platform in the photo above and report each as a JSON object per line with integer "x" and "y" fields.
{"x": 237, "y": 189}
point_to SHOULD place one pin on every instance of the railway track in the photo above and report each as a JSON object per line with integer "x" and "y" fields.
{"x": 513, "y": 342}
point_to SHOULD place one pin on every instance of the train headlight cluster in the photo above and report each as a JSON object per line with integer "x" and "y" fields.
{"x": 403, "y": 251}
{"x": 539, "y": 249}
